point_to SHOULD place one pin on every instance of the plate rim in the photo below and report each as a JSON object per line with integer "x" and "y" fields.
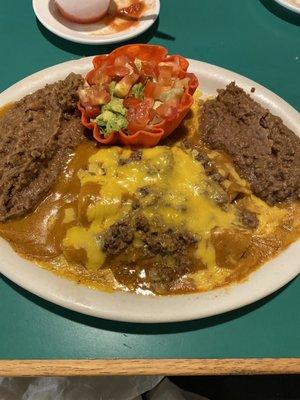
{"x": 83, "y": 305}
{"x": 289, "y": 6}
{"x": 100, "y": 41}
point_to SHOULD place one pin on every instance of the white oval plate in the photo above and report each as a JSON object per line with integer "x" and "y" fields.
{"x": 137, "y": 308}
{"x": 95, "y": 33}
{"x": 293, "y": 5}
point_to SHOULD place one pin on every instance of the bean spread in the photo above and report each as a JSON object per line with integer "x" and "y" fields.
{"x": 264, "y": 151}
{"x": 36, "y": 137}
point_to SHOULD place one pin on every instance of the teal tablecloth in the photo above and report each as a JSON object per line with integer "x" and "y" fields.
{"x": 255, "y": 38}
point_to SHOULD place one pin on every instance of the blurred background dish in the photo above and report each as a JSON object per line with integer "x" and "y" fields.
{"x": 293, "y": 5}
{"x": 124, "y": 20}
{"x": 85, "y": 12}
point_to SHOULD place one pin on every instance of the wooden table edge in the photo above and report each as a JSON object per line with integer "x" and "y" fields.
{"x": 236, "y": 366}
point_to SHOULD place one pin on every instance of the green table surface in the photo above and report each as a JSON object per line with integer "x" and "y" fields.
{"x": 255, "y": 38}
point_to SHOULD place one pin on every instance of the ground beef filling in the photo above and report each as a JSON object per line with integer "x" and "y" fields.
{"x": 247, "y": 218}
{"x": 265, "y": 152}
{"x": 37, "y": 135}
{"x": 138, "y": 249}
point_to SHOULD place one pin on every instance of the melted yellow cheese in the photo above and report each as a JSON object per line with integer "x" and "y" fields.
{"x": 69, "y": 216}
{"x": 182, "y": 197}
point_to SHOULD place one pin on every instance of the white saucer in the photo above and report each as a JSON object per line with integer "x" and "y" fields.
{"x": 293, "y": 5}
{"x": 95, "y": 33}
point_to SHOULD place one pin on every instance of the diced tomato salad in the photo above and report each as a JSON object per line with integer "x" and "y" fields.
{"x": 136, "y": 95}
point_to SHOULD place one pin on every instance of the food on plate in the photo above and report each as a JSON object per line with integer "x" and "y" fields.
{"x": 38, "y": 133}
{"x": 83, "y": 12}
{"x": 136, "y": 95}
{"x": 208, "y": 205}
{"x": 263, "y": 149}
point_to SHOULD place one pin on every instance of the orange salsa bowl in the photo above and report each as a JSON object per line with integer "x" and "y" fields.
{"x": 149, "y": 119}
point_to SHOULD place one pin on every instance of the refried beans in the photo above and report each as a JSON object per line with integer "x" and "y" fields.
{"x": 265, "y": 152}
{"x": 37, "y": 135}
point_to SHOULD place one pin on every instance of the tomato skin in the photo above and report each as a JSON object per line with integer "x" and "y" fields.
{"x": 149, "y": 89}
{"x": 92, "y": 111}
{"x": 168, "y": 110}
{"x": 94, "y": 96}
{"x": 97, "y": 77}
{"x": 129, "y": 80}
{"x": 149, "y": 70}
{"x": 116, "y": 70}
{"x": 139, "y": 116}
{"x": 193, "y": 82}
{"x": 121, "y": 60}
{"x": 130, "y": 102}
{"x": 165, "y": 75}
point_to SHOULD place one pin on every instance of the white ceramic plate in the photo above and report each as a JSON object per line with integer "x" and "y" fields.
{"x": 293, "y": 5}
{"x": 95, "y": 33}
{"x": 138, "y": 308}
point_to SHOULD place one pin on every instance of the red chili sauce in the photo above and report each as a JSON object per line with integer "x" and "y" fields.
{"x": 129, "y": 16}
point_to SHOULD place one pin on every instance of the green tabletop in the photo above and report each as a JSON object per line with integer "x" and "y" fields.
{"x": 255, "y": 38}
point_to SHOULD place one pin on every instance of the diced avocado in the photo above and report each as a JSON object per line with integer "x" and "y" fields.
{"x": 115, "y": 105}
{"x": 112, "y": 117}
{"x": 137, "y": 90}
{"x": 138, "y": 64}
{"x": 105, "y": 116}
{"x": 169, "y": 94}
{"x": 112, "y": 86}
{"x": 111, "y": 122}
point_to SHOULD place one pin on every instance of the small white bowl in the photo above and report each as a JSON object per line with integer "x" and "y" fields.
{"x": 83, "y": 12}
{"x": 92, "y": 33}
